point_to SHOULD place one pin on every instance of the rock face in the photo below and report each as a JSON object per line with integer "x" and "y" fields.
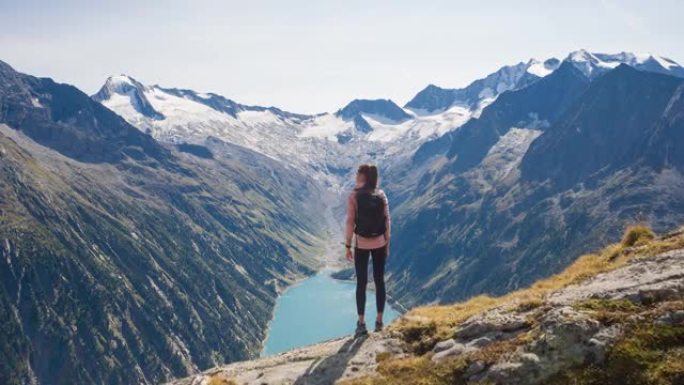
{"x": 558, "y": 335}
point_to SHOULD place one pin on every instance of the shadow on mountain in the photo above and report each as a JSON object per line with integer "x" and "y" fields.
{"x": 328, "y": 370}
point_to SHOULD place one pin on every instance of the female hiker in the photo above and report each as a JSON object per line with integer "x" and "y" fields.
{"x": 368, "y": 219}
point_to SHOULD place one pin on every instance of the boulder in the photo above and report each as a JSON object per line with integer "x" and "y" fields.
{"x": 455, "y": 350}
{"x": 444, "y": 345}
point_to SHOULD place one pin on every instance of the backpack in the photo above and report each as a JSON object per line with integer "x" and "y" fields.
{"x": 370, "y": 214}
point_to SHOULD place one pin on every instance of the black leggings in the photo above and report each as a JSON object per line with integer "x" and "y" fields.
{"x": 361, "y": 266}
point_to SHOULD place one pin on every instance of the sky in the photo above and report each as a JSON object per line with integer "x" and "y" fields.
{"x": 315, "y": 56}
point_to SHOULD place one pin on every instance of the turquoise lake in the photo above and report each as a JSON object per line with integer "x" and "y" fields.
{"x": 317, "y": 309}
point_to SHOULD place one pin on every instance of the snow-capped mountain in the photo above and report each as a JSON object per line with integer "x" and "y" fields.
{"x": 327, "y": 141}
{"x": 382, "y": 110}
{"x": 163, "y": 112}
{"x": 128, "y": 95}
{"x": 481, "y": 92}
{"x": 189, "y": 116}
{"x": 595, "y": 64}
{"x": 332, "y": 143}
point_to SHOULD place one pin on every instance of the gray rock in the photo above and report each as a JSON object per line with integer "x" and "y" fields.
{"x": 567, "y": 338}
{"x": 642, "y": 281}
{"x": 596, "y": 350}
{"x": 480, "y": 342}
{"x": 675, "y": 317}
{"x": 474, "y": 368}
{"x": 456, "y": 350}
{"x": 444, "y": 345}
{"x": 659, "y": 294}
{"x": 529, "y": 358}
{"x": 491, "y": 322}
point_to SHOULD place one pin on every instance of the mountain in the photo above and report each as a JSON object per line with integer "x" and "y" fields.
{"x": 381, "y": 110}
{"x": 130, "y": 92}
{"x": 146, "y": 231}
{"x": 596, "y": 64}
{"x": 193, "y": 117}
{"x": 127, "y": 261}
{"x": 625, "y": 107}
{"x": 611, "y": 318}
{"x": 478, "y": 93}
{"x": 532, "y": 108}
{"x": 58, "y": 116}
{"x": 546, "y": 173}
{"x": 481, "y": 92}
{"x": 330, "y": 145}
{"x": 147, "y": 104}
{"x": 318, "y": 143}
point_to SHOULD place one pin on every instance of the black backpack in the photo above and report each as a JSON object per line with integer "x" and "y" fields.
{"x": 370, "y": 214}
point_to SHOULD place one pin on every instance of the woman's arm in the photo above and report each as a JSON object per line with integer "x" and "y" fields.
{"x": 351, "y": 220}
{"x": 388, "y": 220}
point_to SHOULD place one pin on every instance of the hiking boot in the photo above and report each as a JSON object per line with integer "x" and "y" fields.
{"x": 378, "y": 326}
{"x": 360, "y": 330}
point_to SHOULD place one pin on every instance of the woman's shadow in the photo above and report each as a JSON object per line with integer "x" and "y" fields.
{"x": 328, "y": 370}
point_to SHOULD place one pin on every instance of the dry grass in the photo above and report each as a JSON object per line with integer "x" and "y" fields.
{"x": 423, "y": 326}
{"x": 637, "y": 235}
{"x": 530, "y": 304}
{"x": 218, "y": 379}
{"x": 415, "y": 371}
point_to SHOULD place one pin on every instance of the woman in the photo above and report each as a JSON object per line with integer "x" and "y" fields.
{"x": 368, "y": 219}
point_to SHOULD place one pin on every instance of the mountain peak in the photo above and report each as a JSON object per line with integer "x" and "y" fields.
{"x": 383, "y": 108}
{"x": 127, "y": 87}
{"x": 595, "y": 64}
{"x": 481, "y": 92}
{"x": 542, "y": 68}
{"x": 122, "y": 79}
{"x": 580, "y": 55}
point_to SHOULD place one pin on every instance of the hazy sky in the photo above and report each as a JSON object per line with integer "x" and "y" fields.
{"x": 313, "y": 56}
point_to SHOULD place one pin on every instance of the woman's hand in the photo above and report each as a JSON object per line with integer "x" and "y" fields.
{"x": 350, "y": 255}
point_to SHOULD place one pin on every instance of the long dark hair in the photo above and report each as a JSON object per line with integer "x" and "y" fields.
{"x": 370, "y": 172}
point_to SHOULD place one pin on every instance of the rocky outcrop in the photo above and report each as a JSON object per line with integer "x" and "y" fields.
{"x": 564, "y": 334}
{"x": 320, "y": 364}
{"x": 514, "y": 343}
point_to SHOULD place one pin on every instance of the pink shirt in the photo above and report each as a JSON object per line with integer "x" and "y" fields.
{"x": 365, "y": 242}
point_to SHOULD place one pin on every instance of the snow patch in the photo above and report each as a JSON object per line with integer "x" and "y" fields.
{"x": 325, "y": 126}
{"x": 538, "y": 68}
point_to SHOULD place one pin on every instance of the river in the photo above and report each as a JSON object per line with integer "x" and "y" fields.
{"x": 317, "y": 309}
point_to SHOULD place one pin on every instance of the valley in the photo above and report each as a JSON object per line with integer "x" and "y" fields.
{"x": 149, "y": 232}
